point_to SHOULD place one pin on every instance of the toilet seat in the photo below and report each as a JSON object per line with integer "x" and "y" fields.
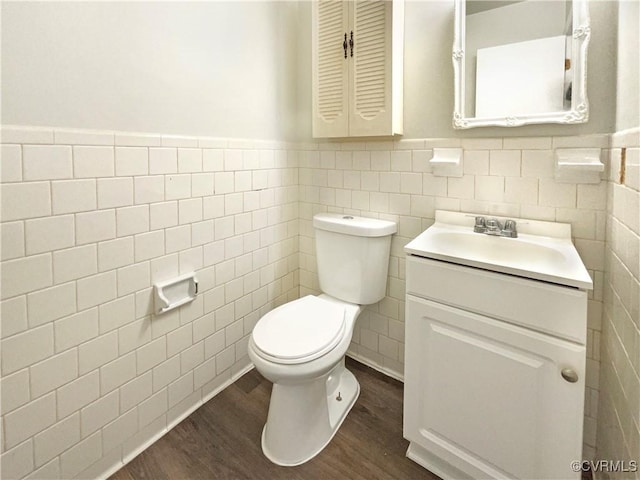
{"x": 299, "y": 331}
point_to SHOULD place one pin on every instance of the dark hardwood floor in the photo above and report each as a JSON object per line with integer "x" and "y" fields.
{"x": 221, "y": 440}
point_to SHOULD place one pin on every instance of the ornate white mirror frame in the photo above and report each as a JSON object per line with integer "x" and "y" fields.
{"x": 579, "y": 112}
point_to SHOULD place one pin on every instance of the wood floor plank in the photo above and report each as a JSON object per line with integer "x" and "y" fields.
{"x": 221, "y": 440}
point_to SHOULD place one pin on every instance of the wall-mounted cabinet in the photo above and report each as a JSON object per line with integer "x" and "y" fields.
{"x": 357, "y": 50}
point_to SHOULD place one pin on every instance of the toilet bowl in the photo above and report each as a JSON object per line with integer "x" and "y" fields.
{"x": 312, "y": 390}
{"x": 300, "y": 346}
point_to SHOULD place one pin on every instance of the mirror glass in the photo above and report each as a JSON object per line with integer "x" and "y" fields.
{"x": 520, "y": 62}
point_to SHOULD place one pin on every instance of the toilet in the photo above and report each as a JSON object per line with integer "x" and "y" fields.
{"x": 301, "y": 345}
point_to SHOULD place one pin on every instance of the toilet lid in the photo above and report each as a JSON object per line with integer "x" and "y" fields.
{"x": 300, "y": 331}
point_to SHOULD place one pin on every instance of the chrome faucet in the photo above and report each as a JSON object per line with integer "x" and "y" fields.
{"x": 493, "y": 226}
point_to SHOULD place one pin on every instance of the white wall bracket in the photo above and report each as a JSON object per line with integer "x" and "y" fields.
{"x": 173, "y": 293}
{"x": 578, "y": 165}
{"x": 447, "y": 162}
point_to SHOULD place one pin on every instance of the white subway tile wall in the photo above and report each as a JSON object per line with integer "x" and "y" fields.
{"x": 393, "y": 180}
{"x": 90, "y": 221}
{"x": 618, "y": 411}
{"x": 90, "y": 375}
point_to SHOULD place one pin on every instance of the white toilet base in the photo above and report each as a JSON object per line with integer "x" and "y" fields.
{"x": 304, "y": 417}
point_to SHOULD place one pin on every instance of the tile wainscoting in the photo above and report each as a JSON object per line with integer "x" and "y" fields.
{"x": 92, "y": 219}
{"x": 619, "y": 412}
{"x": 502, "y": 176}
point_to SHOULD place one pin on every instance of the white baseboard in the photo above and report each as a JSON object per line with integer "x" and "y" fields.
{"x": 154, "y": 437}
{"x": 369, "y": 363}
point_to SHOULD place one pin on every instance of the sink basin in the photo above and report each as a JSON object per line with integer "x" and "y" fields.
{"x": 496, "y": 249}
{"x": 542, "y": 251}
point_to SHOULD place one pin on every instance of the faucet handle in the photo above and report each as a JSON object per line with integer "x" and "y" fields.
{"x": 480, "y": 226}
{"x": 509, "y": 229}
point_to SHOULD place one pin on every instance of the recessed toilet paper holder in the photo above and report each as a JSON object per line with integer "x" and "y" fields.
{"x": 175, "y": 292}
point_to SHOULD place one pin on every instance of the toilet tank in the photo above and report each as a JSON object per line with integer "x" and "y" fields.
{"x": 352, "y": 254}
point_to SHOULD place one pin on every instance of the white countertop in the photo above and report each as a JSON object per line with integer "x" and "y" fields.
{"x": 543, "y": 250}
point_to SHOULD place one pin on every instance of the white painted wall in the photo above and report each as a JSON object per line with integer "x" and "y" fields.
{"x": 628, "y": 66}
{"x": 428, "y": 75}
{"x": 231, "y": 69}
{"x": 211, "y": 68}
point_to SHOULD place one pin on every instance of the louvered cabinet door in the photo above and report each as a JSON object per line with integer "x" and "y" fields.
{"x": 330, "y": 20}
{"x": 370, "y": 82}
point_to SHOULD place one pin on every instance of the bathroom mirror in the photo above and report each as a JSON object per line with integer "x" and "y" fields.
{"x": 520, "y": 62}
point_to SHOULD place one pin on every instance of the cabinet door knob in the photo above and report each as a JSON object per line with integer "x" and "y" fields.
{"x": 569, "y": 375}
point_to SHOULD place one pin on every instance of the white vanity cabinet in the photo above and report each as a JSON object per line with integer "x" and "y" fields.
{"x": 357, "y": 52}
{"x": 494, "y": 373}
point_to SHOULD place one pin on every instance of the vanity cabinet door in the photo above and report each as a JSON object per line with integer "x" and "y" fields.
{"x": 489, "y": 398}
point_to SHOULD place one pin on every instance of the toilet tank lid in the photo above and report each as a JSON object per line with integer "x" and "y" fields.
{"x": 352, "y": 225}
